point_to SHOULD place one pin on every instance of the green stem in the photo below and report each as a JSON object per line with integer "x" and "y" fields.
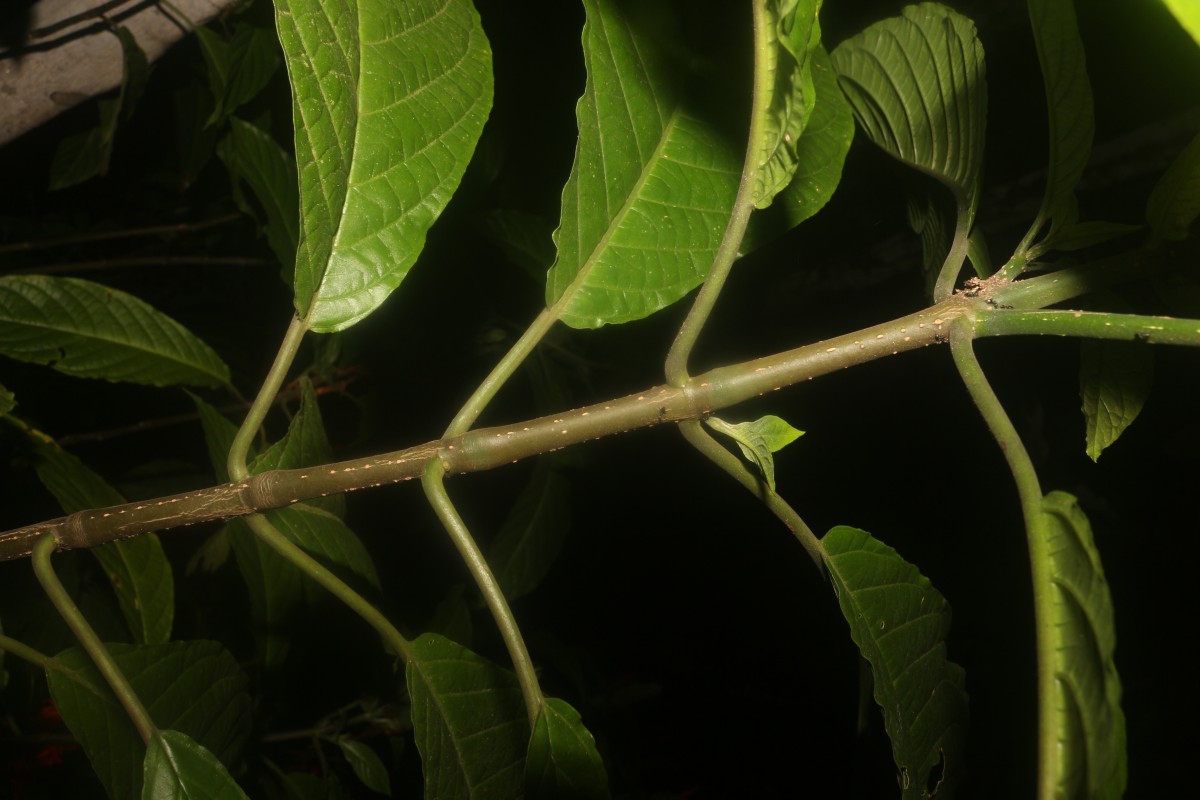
{"x": 89, "y": 640}
{"x": 240, "y": 449}
{"x": 1030, "y": 493}
{"x": 952, "y": 266}
{"x": 712, "y": 449}
{"x": 1089, "y": 324}
{"x": 504, "y": 370}
{"x": 296, "y": 556}
{"x": 676, "y": 366}
{"x": 435, "y": 491}
{"x": 27, "y": 653}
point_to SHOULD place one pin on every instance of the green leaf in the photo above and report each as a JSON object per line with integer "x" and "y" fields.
{"x": 1079, "y": 235}
{"x": 8, "y": 401}
{"x": 1188, "y": 14}
{"x": 91, "y": 331}
{"x": 367, "y": 765}
{"x": 786, "y": 40}
{"x": 327, "y": 538}
{"x": 178, "y": 768}
{"x": 651, "y": 189}
{"x": 252, "y": 57}
{"x": 251, "y": 155}
{"x": 916, "y": 84}
{"x": 469, "y": 723}
{"x": 532, "y": 535}
{"x": 758, "y": 440}
{"x": 929, "y": 221}
{"x": 1070, "y": 109}
{"x": 388, "y": 103}
{"x": 275, "y": 588}
{"x": 563, "y": 763}
{"x": 820, "y": 154}
{"x": 1114, "y": 382}
{"x": 899, "y": 622}
{"x": 193, "y": 687}
{"x": 1088, "y": 722}
{"x": 218, "y": 436}
{"x": 304, "y": 445}
{"x": 1175, "y": 201}
{"x": 137, "y": 568}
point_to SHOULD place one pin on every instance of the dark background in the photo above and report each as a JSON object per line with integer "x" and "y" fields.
{"x": 687, "y": 626}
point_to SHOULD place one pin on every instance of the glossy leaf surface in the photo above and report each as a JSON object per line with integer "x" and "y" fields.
{"x": 1114, "y": 381}
{"x": 193, "y": 687}
{"x": 1070, "y": 106}
{"x": 177, "y": 767}
{"x": 91, "y": 331}
{"x": 1089, "y": 723}
{"x": 389, "y": 99}
{"x": 563, "y": 763}
{"x": 899, "y": 622}
{"x": 651, "y": 189}
{"x": 468, "y": 721}
{"x": 916, "y": 84}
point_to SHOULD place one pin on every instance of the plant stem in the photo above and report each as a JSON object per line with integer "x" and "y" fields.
{"x": 27, "y": 653}
{"x": 89, "y": 640}
{"x": 1030, "y": 493}
{"x": 126, "y": 233}
{"x": 520, "y": 350}
{"x": 712, "y": 449}
{"x": 296, "y": 556}
{"x": 238, "y": 451}
{"x": 435, "y": 491}
{"x": 1089, "y": 324}
{"x": 952, "y": 266}
{"x": 676, "y": 366}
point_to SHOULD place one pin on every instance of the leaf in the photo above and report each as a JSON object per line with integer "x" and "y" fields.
{"x": 85, "y": 155}
{"x": 304, "y": 445}
{"x": 8, "y": 401}
{"x": 899, "y": 622}
{"x": 177, "y": 768}
{"x": 785, "y": 40}
{"x": 388, "y": 102}
{"x": 820, "y": 154}
{"x": 1069, "y": 107}
{"x": 469, "y": 723}
{"x": 1188, "y": 14}
{"x": 1175, "y": 200}
{"x": 1079, "y": 235}
{"x": 218, "y": 436}
{"x": 563, "y": 763}
{"x": 251, "y": 59}
{"x": 1114, "y": 382}
{"x": 928, "y": 220}
{"x": 367, "y": 765}
{"x": 916, "y": 84}
{"x": 194, "y": 687}
{"x": 91, "y": 331}
{"x": 137, "y": 568}
{"x": 275, "y": 589}
{"x": 758, "y": 440}
{"x": 1088, "y": 722}
{"x": 251, "y": 155}
{"x": 651, "y": 188}
{"x": 532, "y": 534}
{"x": 327, "y": 538}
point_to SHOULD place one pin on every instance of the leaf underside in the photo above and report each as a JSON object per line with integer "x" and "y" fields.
{"x": 177, "y": 767}
{"x": 563, "y": 763}
{"x": 899, "y": 622}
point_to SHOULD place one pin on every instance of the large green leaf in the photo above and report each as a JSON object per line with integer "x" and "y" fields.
{"x": 1188, "y": 14}
{"x": 1069, "y": 107}
{"x": 651, "y": 189}
{"x": 469, "y": 723}
{"x": 137, "y": 569}
{"x": 899, "y": 622}
{"x": 786, "y": 40}
{"x": 916, "y": 84}
{"x": 563, "y": 763}
{"x": 532, "y": 535}
{"x": 1175, "y": 201}
{"x": 177, "y": 767}
{"x": 1088, "y": 721}
{"x": 251, "y": 155}
{"x": 193, "y": 687}
{"x": 389, "y": 99}
{"x": 1114, "y": 381}
{"x": 91, "y": 331}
